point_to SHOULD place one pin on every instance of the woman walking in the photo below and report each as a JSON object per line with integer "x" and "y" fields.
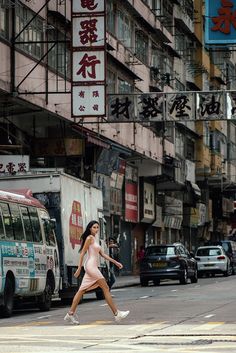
{"x": 93, "y": 278}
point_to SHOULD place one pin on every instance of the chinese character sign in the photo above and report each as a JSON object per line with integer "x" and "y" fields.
{"x": 88, "y": 100}
{"x": 220, "y": 25}
{"x": 210, "y": 106}
{"x": 175, "y": 106}
{"x": 88, "y": 66}
{"x": 88, "y": 58}
{"x": 88, "y": 6}
{"x": 180, "y": 106}
{"x": 88, "y": 31}
{"x": 14, "y": 164}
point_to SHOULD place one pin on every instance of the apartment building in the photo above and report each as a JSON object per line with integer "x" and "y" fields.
{"x": 159, "y": 178}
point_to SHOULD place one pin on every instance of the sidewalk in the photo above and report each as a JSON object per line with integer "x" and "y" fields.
{"x": 126, "y": 281}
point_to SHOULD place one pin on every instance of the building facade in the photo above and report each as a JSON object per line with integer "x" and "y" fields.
{"x": 162, "y": 181}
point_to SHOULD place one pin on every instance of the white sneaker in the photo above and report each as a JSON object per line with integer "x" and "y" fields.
{"x": 121, "y": 315}
{"x": 73, "y": 319}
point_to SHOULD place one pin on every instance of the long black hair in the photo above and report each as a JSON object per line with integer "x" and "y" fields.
{"x": 87, "y": 232}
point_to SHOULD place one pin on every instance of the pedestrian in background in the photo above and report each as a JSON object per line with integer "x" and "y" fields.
{"x": 140, "y": 254}
{"x": 93, "y": 278}
{"x": 113, "y": 252}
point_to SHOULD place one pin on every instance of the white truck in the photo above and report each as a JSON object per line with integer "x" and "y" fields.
{"x": 73, "y": 203}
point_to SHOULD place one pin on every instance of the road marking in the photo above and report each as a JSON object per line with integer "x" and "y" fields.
{"x": 208, "y": 316}
{"x": 144, "y": 297}
{"x": 43, "y": 317}
{"x": 208, "y": 326}
{"x": 146, "y": 326}
{"x": 36, "y": 323}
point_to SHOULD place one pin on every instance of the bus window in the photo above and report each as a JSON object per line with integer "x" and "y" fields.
{"x": 17, "y": 222}
{"x": 27, "y": 223}
{"x": 7, "y": 221}
{"x": 49, "y": 234}
{"x": 37, "y": 234}
{"x": 2, "y": 232}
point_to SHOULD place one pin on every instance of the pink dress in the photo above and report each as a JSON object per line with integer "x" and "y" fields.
{"x": 92, "y": 273}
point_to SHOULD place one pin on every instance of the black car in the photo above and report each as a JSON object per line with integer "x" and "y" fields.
{"x": 165, "y": 261}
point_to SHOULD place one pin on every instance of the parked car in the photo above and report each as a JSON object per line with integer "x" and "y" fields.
{"x": 212, "y": 259}
{"x": 229, "y": 247}
{"x": 172, "y": 261}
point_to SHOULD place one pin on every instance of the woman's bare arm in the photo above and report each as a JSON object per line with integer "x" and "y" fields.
{"x": 107, "y": 257}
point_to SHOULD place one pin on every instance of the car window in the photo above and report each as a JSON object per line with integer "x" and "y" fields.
{"x": 209, "y": 252}
{"x": 160, "y": 250}
{"x": 226, "y": 246}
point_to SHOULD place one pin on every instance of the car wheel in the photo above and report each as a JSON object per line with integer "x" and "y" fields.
{"x": 226, "y": 273}
{"x": 233, "y": 270}
{"x": 184, "y": 277}
{"x": 194, "y": 278}
{"x": 144, "y": 282}
{"x": 45, "y": 300}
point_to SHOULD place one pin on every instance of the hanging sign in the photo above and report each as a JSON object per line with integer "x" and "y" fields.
{"x": 88, "y": 58}
{"x": 220, "y": 22}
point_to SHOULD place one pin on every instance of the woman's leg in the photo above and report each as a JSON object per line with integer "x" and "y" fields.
{"x": 103, "y": 285}
{"x": 76, "y": 301}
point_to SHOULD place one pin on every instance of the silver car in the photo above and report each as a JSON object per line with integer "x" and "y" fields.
{"x": 212, "y": 260}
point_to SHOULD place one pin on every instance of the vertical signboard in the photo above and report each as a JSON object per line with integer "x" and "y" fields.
{"x": 88, "y": 58}
{"x": 220, "y": 23}
{"x": 131, "y": 202}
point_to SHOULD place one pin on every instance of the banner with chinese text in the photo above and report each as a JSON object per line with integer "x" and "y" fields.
{"x": 175, "y": 106}
{"x": 88, "y": 58}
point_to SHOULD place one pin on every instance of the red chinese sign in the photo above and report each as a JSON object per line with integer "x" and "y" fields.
{"x": 88, "y": 44}
{"x": 76, "y": 224}
{"x": 220, "y": 21}
{"x": 131, "y": 202}
{"x": 226, "y": 17}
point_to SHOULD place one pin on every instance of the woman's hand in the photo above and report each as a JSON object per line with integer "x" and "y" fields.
{"x": 119, "y": 265}
{"x": 77, "y": 272}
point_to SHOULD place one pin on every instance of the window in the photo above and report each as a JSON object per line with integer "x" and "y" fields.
{"x": 124, "y": 29}
{"x": 111, "y": 17}
{"x": 17, "y": 222}
{"x": 206, "y": 135}
{"x": 27, "y": 223}
{"x": 180, "y": 42}
{"x": 2, "y": 231}
{"x": 49, "y": 234}
{"x": 124, "y": 86}
{"x": 179, "y": 143}
{"x": 7, "y": 221}
{"x": 111, "y": 82}
{"x": 209, "y": 252}
{"x": 141, "y": 46}
{"x": 37, "y": 234}
{"x": 59, "y": 55}
{"x": 32, "y": 33}
{"x": 4, "y": 23}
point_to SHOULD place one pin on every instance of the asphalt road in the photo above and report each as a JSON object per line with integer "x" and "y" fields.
{"x": 167, "y": 318}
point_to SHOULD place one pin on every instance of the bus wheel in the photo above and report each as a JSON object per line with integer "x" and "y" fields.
{"x": 45, "y": 299}
{"x": 8, "y": 298}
